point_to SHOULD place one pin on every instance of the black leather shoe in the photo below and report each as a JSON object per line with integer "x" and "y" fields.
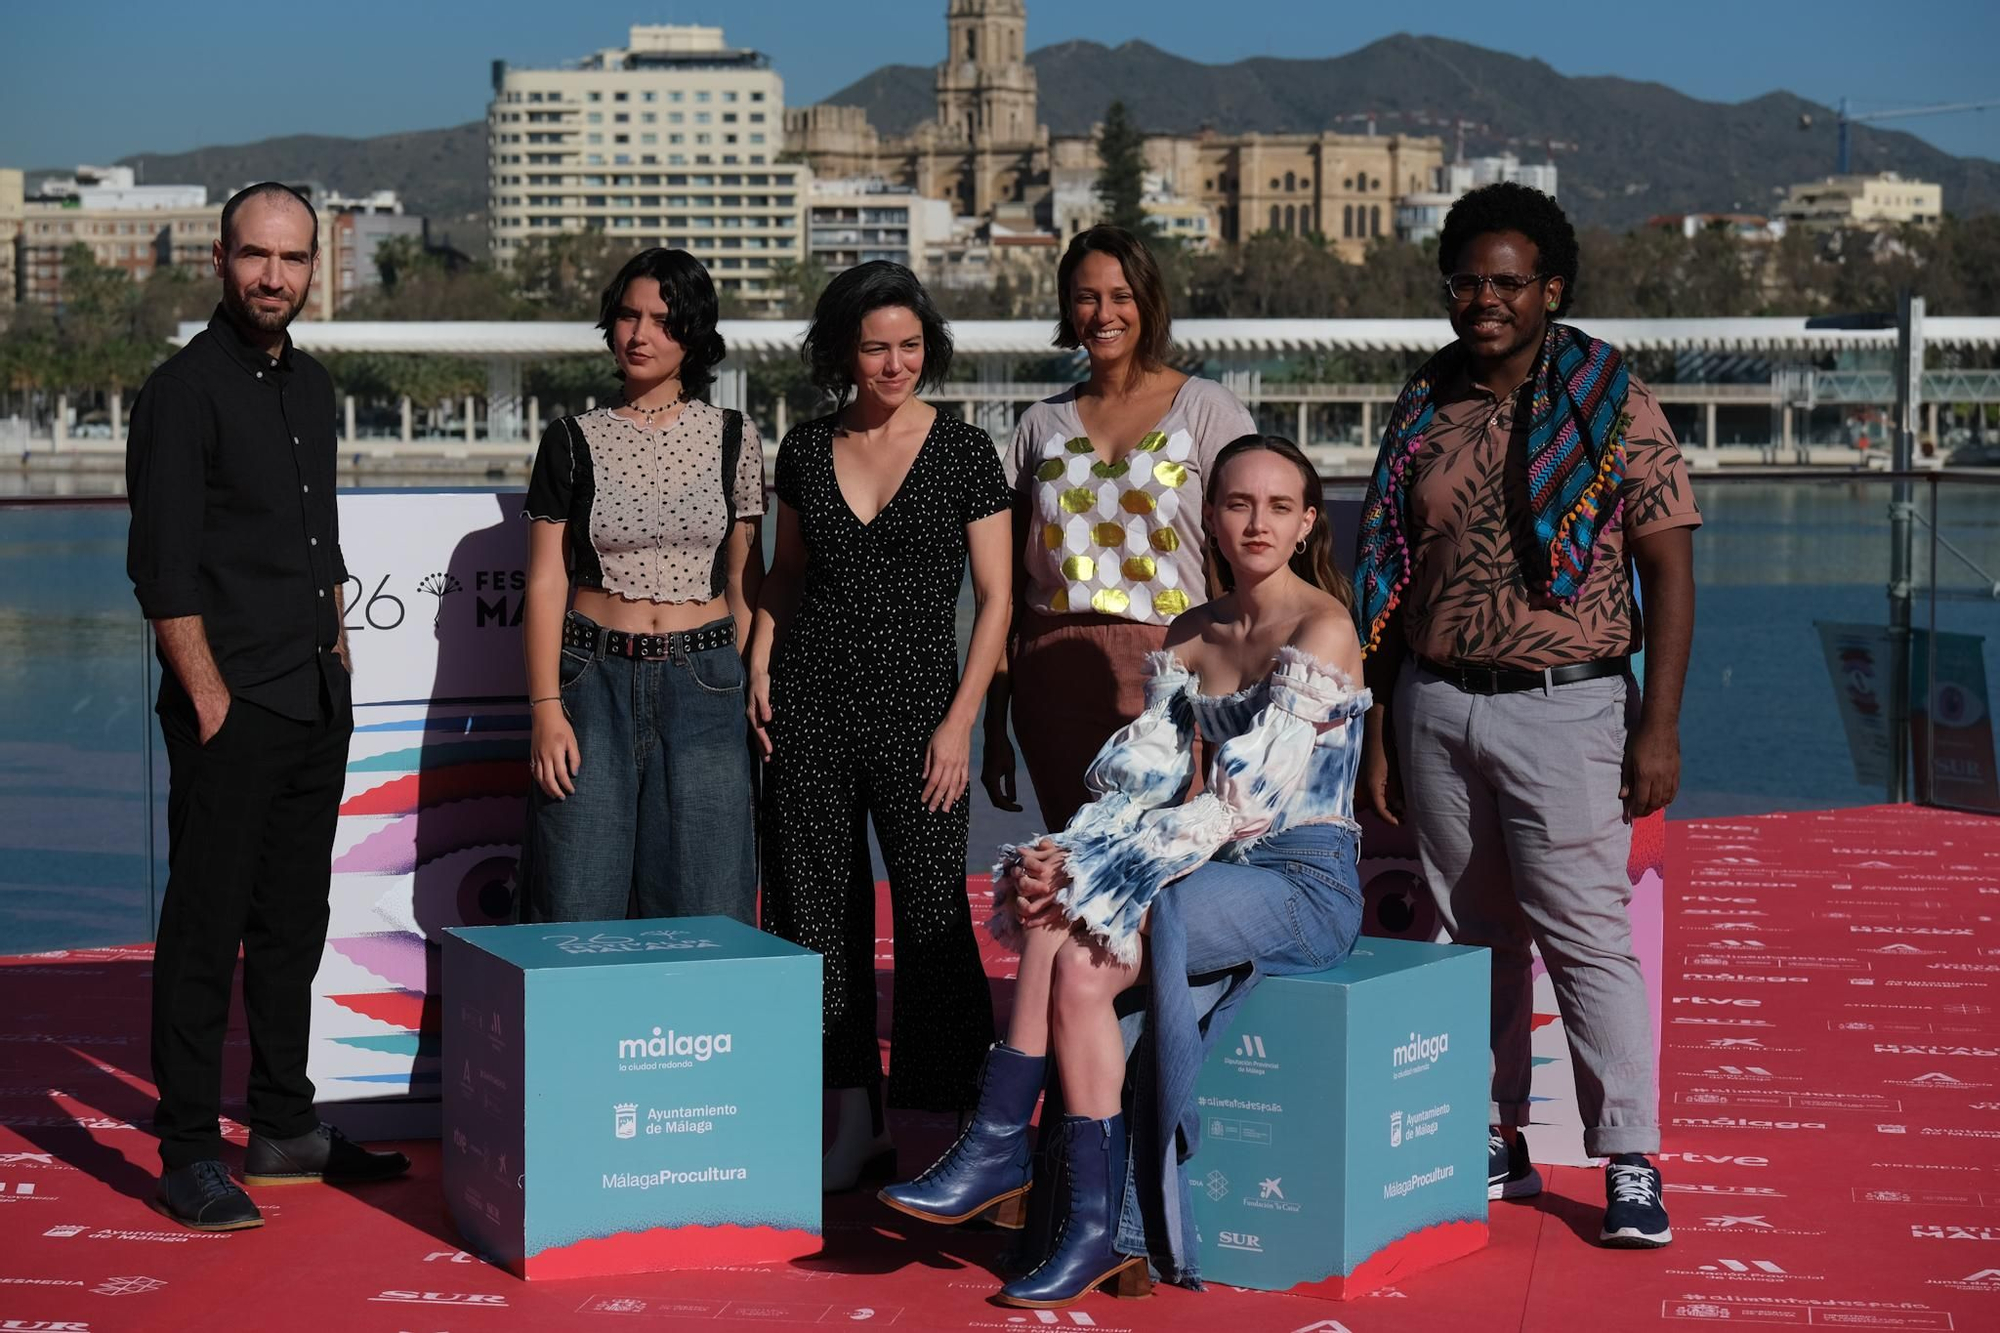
{"x": 201, "y": 1195}
{"x": 322, "y": 1154}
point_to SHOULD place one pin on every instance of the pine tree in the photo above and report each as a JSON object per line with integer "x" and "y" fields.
{"x": 1121, "y": 177}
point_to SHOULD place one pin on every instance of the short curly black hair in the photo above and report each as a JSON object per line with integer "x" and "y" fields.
{"x": 1511, "y": 206}
{"x": 853, "y": 295}
{"x": 689, "y": 294}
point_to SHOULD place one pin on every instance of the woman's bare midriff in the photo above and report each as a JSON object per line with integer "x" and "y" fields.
{"x": 640, "y": 617}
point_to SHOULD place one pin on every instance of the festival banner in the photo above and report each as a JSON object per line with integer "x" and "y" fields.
{"x": 1858, "y": 660}
{"x": 432, "y": 816}
{"x": 1952, "y": 732}
{"x": 1951, "y": 725}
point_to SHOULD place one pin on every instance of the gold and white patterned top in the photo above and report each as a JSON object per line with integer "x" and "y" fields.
{"x": 1122, "y": 539}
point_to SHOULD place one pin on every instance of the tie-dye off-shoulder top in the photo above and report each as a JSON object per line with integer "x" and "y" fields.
{"x": 1283, "y": 752}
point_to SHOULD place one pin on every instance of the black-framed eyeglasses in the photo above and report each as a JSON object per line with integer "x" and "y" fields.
{"x": 1506, "y": 286}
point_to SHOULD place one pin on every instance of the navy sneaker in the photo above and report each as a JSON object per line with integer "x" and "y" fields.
{"x": 1634, "y": 1218}
{"x": 1509, "y": 1173}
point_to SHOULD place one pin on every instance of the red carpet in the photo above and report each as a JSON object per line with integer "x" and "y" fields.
{"x": 1831, "y": 1098}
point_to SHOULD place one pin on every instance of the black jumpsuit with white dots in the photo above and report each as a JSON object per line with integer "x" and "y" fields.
{"x": 863, "y": 675}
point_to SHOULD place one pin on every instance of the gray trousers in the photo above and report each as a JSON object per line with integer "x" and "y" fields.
{"x": 1514, "y": 799}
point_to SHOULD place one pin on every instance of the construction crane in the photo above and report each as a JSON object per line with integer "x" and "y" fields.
{"x": 1844, "y": 118}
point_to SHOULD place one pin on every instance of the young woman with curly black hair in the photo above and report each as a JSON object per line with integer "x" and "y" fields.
{"x": 860, "y": 706}
{"x": 650, "y": 511}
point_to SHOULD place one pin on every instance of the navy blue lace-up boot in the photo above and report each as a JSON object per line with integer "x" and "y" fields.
{"x": 1085, "y": 1257}
{"x": 987, "y": 1170}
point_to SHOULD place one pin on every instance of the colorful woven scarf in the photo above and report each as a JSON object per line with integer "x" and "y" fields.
{"x": 1576, "y": 460}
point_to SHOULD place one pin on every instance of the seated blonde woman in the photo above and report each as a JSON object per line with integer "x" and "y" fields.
{"x": 1254, "y": 877}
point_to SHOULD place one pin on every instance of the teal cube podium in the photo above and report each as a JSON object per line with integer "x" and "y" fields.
{"x": 625, "y": 1096}
{"x": 1344, "y": 1124}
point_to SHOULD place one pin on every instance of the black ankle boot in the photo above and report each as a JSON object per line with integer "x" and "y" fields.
{"x": 988, "y": 1167}
{"x": 1085, "y": 1256}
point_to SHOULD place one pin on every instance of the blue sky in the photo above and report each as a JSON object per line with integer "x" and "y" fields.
{"x": 90, "y": 82}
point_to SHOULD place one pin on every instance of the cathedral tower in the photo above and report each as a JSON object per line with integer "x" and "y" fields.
{"x": 985, "y": 87}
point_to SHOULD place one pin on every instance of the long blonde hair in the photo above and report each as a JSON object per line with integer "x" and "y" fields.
{"x": 1315, "y": 564}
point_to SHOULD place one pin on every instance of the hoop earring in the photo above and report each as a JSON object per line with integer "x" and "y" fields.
{"x": 1300, "y": 549}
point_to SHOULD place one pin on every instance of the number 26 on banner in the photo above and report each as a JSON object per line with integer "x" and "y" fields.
{"x": 380, "y": 610}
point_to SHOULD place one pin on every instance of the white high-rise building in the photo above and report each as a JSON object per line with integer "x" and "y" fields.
{"x": 672, "y": 140}
{"x": 1458, "y": 178}
{"x": 1420, "y": 216}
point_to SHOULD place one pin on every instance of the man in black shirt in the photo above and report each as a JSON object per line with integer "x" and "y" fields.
{"x": 235, "y": 557}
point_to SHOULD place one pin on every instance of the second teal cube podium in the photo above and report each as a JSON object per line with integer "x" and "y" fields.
{"x": 622, "y": 1096}
{"x": 1344, "y": 1124}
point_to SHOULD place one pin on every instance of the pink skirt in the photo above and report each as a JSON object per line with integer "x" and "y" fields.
{"x": 1076, "y": 679}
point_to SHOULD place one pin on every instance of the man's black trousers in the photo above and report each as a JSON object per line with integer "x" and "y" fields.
{"x": 250, "y": 820}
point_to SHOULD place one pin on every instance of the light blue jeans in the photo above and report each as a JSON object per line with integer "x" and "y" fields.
{"x": 662, "y": 818}
{"x": 1292, "y": 904}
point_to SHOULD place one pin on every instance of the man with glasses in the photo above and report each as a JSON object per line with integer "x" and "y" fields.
{"x": 1525, "y": 478}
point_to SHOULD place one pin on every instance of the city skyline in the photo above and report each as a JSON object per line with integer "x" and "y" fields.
{"x": 292, "y": 75}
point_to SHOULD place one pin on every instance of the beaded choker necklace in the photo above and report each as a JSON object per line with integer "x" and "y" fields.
{"x": 651, "y": 412}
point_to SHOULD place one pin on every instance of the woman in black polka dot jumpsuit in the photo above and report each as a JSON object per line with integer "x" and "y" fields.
{"x": 857, "y": 692}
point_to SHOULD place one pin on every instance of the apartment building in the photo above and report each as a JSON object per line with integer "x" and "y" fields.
{"x": 351, "y": 229}
{"x": 850, "y": 222}
{"x": 1074, "y": 205}
{"x": 142, "y": 228}
{"x": 128, "y": 226}
{"x": 1877, "y": 202}
{"x": 673, "y": 139}
{"x": 12, "y": 202}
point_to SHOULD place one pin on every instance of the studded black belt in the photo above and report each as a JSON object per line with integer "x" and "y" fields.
{"x": 1506, "y": 680}
{"x": 601, "y": 642}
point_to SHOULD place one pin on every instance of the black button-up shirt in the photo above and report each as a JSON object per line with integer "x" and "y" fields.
{"x": 229, "y": 470}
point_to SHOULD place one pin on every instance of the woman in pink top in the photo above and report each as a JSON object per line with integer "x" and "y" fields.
{"x": 1108, "y": 480}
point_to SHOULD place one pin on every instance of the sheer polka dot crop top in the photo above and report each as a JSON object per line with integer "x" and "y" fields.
{"x": 649, "y": 510}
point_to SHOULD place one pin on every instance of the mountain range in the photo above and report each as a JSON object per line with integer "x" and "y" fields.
{"x": 441, "y": 174}
{"x": 1627, "y": 150}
